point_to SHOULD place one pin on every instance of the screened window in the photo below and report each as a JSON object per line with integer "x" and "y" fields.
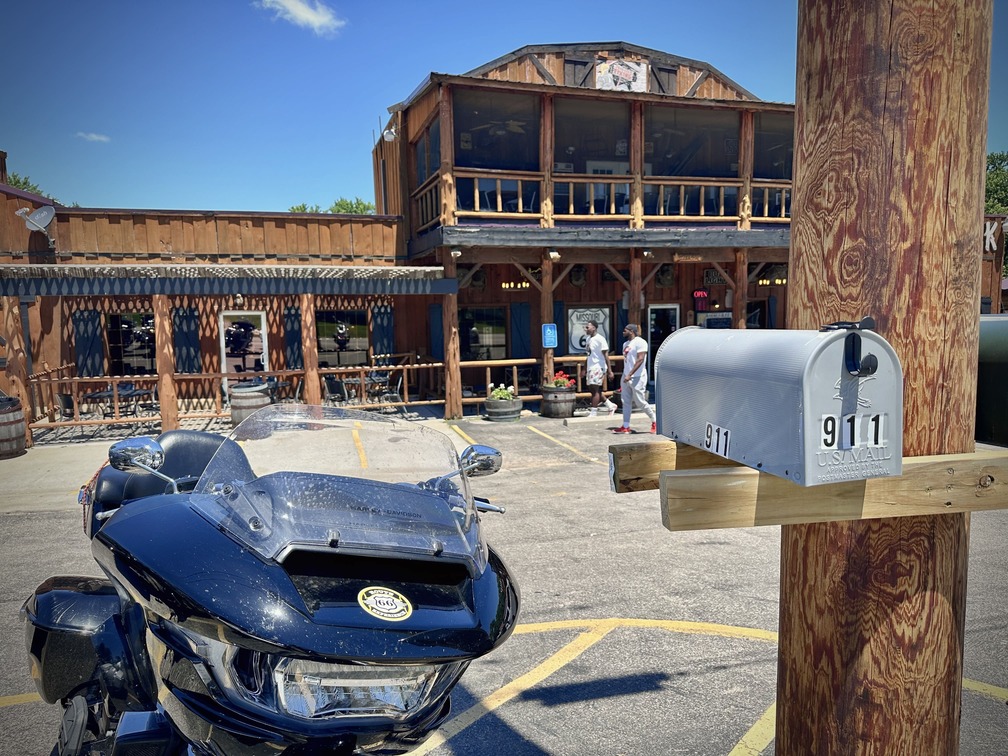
{"x": 691, "y": 142}
{"x": 591, "y": 134}
{"x": 342, "y": 337}
{"x": 774, "y": 145}
{"x": 496, "y": 130}
{"x": 427, "y": 152}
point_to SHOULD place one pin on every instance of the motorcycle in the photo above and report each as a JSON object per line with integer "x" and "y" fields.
{"x": 315, "y": 582}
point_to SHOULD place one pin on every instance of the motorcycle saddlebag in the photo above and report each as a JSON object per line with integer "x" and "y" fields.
{"x": 71, "y": 633}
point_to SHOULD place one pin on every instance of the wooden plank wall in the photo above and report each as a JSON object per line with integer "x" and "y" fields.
{"x": 130, "y": 236}
{"x": 712, "y": 88}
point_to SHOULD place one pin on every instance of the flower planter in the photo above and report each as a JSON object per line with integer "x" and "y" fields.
{"x": 503, "y": 410}
{"x": 557, "y": 401}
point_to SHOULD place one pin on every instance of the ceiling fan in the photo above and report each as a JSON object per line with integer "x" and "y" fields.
{"x": 500, "y": 128}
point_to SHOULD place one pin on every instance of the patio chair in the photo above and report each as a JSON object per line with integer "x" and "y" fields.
{"x": 391, "y": 395}
{"x": 335, "y": 392}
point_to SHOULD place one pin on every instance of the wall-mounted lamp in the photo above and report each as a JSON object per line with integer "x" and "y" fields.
{"x": 390, "y": 134}
{"x": 239, "y": 300}
{"x": 553, "y": 254}
{"x": 456, "y": 253}
{"x": 647, "y": 253}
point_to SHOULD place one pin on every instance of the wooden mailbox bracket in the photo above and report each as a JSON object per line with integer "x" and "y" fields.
{"x": 700, "y": 490}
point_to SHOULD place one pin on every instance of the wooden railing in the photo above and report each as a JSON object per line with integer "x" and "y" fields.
{"x": 203, "y": 396}
{"x": 771, "y": 201}
{"x": 591, "y": 195}
{"x": 427, "y": 203}
{"x": 517, "y": 194}
{"x": 682, "y": 198}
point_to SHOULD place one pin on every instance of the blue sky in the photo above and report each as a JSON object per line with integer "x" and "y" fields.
{"x": 260, "y": 105}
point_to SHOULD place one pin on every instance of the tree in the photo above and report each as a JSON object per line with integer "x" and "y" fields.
{"x": 25, "y": 184}
{"x": 996, "y": 191}
{"x": 342, "y": 206}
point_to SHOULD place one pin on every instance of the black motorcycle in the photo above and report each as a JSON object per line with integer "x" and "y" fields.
{"x": 316, "y": 582}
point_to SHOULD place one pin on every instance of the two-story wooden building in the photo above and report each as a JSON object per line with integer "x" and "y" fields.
{"x": 561, "y": 183}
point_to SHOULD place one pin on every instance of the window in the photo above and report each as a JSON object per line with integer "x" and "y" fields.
{"x": 427, "y": 152}
{"x": 243, "y": 342}
{"x": 691, "y": 142}
{"x": 590, "y": 130}
{"x": 496, "y": 130}
{"x": 774, "y": 145}
{"x": 342, "y": 337}
{"x": 482, "y": 333}
{"x": 130, "y": 339}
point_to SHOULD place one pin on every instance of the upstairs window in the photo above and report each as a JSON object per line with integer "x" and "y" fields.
{"x": 498, "y": 130}
{"x": 427, "y": 152}
{"x": 773, "y": 152}
{"x": 592, "y": 136}
{"x": 691, "y": 142}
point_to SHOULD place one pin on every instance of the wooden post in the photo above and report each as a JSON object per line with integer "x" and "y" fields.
{"x": 165, "y": 362}
{"x": 890, "y": 132}
{"x": 546, "y": 150}
{"x": 741, "y": 294}
{"x": 746, "y": 148}
{"x": 636, "y": 289}
{"x": 447, "y": 158}
{"x": 17, "y": 373}
{"x": 546, "y": 310}
{"x": 452, "y": 344}
{"x": 311, "y": 393}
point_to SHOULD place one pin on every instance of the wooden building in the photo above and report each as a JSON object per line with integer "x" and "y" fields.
{"x": 561, "y": 183}
{"x": 553, "y": 185}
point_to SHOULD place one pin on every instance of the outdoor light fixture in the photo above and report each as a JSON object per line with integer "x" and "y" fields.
{"x": 239, "y": 300}
{"x": 456, "y": 253}
{"x": 553, "y": 254}
{"x": 647, "y": 253}
{"x": 390, "y": 134}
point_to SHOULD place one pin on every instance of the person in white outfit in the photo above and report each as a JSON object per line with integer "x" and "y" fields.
{"x": 597, "y": 367}
{"x": 633, "y": 386}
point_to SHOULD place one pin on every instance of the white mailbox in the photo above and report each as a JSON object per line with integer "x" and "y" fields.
{"x": 811, "y": 406}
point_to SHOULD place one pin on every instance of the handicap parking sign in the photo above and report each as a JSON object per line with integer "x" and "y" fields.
{"x": 549, "y": 338}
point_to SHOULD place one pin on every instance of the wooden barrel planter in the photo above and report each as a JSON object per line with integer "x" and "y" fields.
{"x": 12, "y": 428}
{"x": 557, "y": 401}
{"x": 245, "y": 401}
{"x": 503, "y": 410}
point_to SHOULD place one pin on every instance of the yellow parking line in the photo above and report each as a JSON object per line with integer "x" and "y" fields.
{"x": 760, "y": 735}
{"x": 461, "y": 433}
{"x": 20, "y": 699}
{"x": 501, "y": 696}
{"x": 991, "y": 691}
{"x": 360, "y": 447}
{"x": 581, "y": 454}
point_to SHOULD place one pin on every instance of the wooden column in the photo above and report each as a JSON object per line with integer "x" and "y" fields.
{"x": 312, "y": 391}
{"x": 452, "y": 345}
{"x": 165, "y": 362}
{"x": 546, "y": 310}
{"x": 890, "y": 132}
{"x": 636, "y": 288}
{"x": 17, "y": 362}
{"x": 637, "y": 165}
{"x": 746, "y": 148}
{"x": 546, "y": 151}
{"x": 447, "y": 157}
{"x": 741, "y": 294}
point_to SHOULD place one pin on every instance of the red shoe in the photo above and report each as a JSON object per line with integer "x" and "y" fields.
{"x": 654, "y": 427}
{"x": 622, "y": 429}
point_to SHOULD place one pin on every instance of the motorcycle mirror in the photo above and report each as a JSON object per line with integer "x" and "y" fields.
{"x": 140, "y": 454}
{"x": 480, "y": 460}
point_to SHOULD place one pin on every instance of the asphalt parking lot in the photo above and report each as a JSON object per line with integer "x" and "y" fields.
{"x": 631, "y": 639}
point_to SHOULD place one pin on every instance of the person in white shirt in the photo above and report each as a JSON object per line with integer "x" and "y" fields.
{"x": 633, "y": 386}
{"x": 597, "y": 367}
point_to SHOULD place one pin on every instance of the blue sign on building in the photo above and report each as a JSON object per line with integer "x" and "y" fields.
{"x": 549, "y": 336}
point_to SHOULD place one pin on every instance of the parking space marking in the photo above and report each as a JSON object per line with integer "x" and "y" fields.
{"x": 461, "y": 433}
{"x": 581, "y": 454}
{"x": 760, "y": 735}
{"x": 19, "y": 699}
{"x": 360, "y": 447}
{"x": 561, "y": 658}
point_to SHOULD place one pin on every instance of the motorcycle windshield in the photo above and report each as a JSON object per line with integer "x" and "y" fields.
{"x": 296, "y": 477}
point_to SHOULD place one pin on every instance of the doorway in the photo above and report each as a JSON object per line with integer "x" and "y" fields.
{"x": 663, "y": 321}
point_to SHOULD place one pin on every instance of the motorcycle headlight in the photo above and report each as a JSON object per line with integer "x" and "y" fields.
{"x": 318, "y": 690}
{"x": 315, "y": 690}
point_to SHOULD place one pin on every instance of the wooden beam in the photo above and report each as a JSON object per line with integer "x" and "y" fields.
{"x": 741, "y": 497}
{"x": 546, "y": 309}
{"x": 872, "y": 611}
{"x": 311, "y": 392}
{"x": 164, "y": 362}
{"x": 741, "y": 303}
{"x": 452, "y": 343}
